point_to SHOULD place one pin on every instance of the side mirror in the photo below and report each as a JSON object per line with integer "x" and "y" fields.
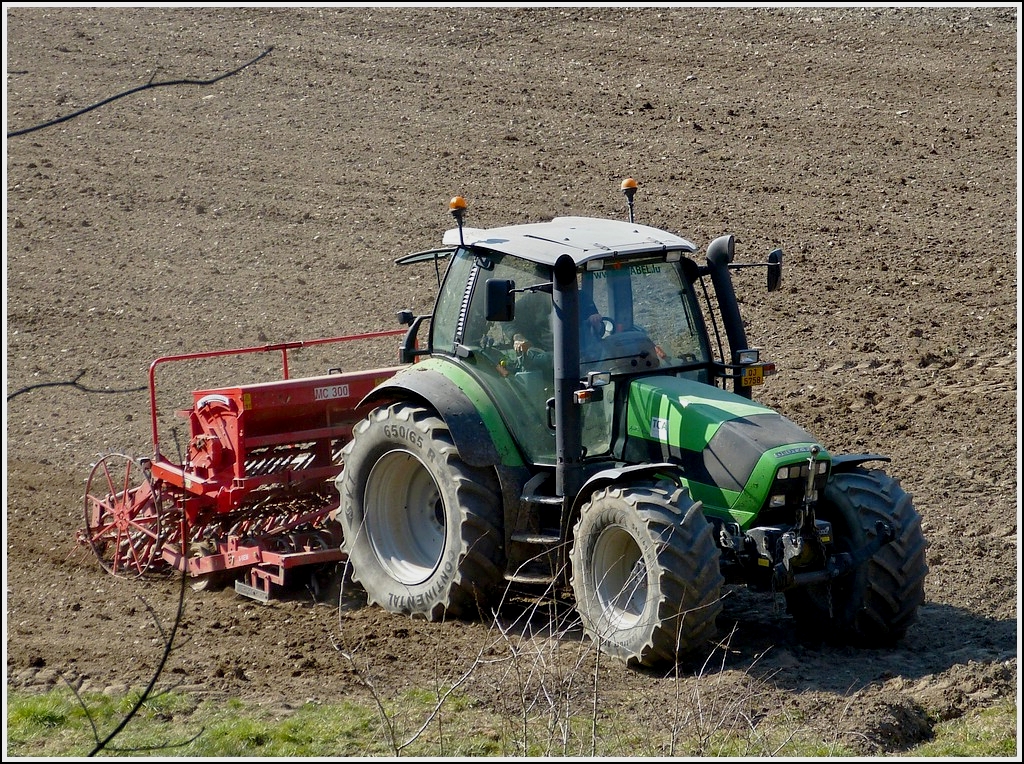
{"x": 774, "y": 269}
{"x": 501, "y": 301}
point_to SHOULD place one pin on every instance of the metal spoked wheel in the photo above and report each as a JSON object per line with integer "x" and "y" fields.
{"x": 122, "y": 516}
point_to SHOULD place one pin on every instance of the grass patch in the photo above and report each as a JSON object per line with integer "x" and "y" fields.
{"x": 55, "y": 724}
{"x": 988, "y": 733}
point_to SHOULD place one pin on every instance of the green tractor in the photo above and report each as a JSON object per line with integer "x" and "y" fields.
{"x": 570, "y": 421}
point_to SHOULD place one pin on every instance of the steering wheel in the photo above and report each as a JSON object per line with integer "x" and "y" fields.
{"x": 497, "y": 357}
{"x": 607, "y": 327}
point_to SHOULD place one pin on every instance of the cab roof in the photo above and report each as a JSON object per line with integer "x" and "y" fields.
{"x": 582, "y": 238}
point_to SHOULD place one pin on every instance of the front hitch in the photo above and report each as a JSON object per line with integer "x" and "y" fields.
{"x": 784, "y": 576}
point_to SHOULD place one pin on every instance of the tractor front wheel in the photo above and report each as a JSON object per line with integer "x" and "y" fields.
{"x": 645, "y": 573}
{"x": 421, "y": 526}
{"x": 875, "y": 604}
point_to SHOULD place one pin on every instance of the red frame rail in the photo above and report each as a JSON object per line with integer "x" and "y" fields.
{"x": 283, "y": 347}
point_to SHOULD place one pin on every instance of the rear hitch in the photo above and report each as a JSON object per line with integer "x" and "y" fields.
{"x": 837, "y": 565}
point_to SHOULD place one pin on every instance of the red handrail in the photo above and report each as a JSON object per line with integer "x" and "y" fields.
{"x": 284, "y": 347}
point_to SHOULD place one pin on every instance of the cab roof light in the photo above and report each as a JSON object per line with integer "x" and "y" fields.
{"x": 457, "y": 206}
{"x": 629, "y": 187}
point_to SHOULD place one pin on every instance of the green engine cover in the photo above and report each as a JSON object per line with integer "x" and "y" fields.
{"x": 728, "y": 446}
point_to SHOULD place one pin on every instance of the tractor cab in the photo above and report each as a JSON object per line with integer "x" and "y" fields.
{"x": 633, "y": 315}
{"x": 556, "y": 318}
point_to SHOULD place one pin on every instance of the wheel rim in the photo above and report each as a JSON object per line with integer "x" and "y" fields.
{"x": 404, "y": 516}
{"x": 122, "y": 516}
{"x": 211, "y": 580}
{"x": 620, "y": 577}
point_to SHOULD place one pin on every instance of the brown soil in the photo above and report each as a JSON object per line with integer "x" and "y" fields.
{"x": 875, "y": 146}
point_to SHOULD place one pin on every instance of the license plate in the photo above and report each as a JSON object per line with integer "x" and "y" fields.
{"x": 752, "y": 375}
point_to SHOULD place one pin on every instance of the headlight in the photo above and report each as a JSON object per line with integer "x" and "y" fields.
{"x": 800, "y": 470}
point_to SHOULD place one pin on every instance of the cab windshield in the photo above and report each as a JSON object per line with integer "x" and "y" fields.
{"x": 647, "y": 319}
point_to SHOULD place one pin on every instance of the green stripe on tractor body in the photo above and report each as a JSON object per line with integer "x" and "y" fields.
{"x": 728, "y": 446}
{"x": 675, "y": 400}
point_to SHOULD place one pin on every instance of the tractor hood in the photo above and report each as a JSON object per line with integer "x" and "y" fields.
{"x": 719, "y": 438}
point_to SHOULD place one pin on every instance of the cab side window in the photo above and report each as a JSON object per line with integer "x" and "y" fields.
{"x": 514, "y": 357}
{"x": 533, "y": 309}
{"x": 446, "y": 311}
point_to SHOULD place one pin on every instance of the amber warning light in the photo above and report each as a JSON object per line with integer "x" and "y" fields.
{"x": 457, "y": 206}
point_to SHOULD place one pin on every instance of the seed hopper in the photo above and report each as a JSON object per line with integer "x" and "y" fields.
{"x": 252, "y": 498}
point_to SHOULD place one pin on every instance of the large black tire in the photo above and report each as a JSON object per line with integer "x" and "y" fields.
{"x": 421, "y": 527}
{"x": 645, "y": 573}
{"x": 875, "y": 604}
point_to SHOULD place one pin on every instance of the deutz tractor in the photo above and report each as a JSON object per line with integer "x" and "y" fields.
{"x": 569, "y": 420}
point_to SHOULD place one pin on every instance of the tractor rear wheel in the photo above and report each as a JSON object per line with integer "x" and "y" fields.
{"x": 421, "y": 527}
{"x": 645, "y": 573}
{"x": 875, "y": 604}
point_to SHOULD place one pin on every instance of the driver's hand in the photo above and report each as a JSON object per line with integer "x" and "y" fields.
{"x": 520, "y": 344}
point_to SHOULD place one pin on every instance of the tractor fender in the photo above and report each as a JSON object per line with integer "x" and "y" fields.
{"x": 846, "y": 462}
{"x": 617, "y": 475}
{"x": 476, "y": 428}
